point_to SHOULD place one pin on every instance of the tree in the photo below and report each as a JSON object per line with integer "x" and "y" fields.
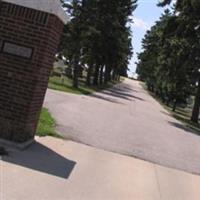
{"x": 188, "y": 13}
{"x": 99, "y": 36}
{"x": 71, "y": 39}
{"x": 162, "y": 64}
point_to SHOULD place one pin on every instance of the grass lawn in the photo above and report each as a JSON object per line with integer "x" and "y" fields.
{"x": 181, "y": 114}
{"x": 184, "y": 114}
{"x": 56, "y": 83}
{"x": 46, "y": 125}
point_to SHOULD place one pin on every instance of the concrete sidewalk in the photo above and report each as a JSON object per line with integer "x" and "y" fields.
{"x": 54, "y": 169}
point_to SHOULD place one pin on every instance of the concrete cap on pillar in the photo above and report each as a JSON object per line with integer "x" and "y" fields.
{"x": 50, "y": 6}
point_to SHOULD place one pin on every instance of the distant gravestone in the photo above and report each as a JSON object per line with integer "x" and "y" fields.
{"x": 29, "y": 35}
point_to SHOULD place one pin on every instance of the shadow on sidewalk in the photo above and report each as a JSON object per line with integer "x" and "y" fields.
{"x": 121, "y": 91}
{"x": 40, "y": 158}
{"x": 183, "y": 127}
{"x": 121, "y": 94}
{"x": 105, "y": 98}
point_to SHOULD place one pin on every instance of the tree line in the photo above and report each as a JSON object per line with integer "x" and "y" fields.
{"x": 98, "y": 37}
{"x": 169, "y": 62}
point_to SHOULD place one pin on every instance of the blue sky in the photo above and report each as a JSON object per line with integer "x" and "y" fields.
{"x": 144, "y": 17}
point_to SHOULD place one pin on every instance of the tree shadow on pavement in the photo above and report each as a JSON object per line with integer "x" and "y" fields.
{"x": 183, "y": 127}
{"x": 121, "y": 94}
{"x": 95, "y": 95}
{"x": 124, "y": 88}
{"x": 166, "y": 113}
{"x": 40, "y": 158}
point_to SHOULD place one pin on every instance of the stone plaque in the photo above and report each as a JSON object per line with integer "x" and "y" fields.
{"x": 17, "y": 50}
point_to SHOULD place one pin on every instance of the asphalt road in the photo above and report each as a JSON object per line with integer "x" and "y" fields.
{"x": 126, "y": 120}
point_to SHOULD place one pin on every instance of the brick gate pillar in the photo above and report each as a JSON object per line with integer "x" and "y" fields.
{"x": 29, "y": 35}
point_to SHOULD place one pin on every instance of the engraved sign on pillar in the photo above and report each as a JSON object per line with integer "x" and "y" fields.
{"x": 17, "y": 50}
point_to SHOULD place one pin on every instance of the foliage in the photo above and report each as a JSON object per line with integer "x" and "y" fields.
{"x": 98, "y": 37}
{"x": 65, "y": 85}
{"x": 189, "y": 28}
{"x": 170, "y": 61}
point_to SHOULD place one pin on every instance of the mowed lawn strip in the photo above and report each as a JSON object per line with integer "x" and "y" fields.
{"x": 65, "y": 85}
{"x": 182, "y": 114}
{"x": 46, "y": 125}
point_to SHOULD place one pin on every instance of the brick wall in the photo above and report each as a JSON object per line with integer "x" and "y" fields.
{"x": 23, "y": 81}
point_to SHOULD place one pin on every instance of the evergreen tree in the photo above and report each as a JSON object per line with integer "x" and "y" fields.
{"x": 187, "y": 12}
{"x": 100, "y": 38}
{"x": 163, "y": 64}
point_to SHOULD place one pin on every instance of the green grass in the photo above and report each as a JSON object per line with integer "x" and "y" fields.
{"x": 181, "y": 114}
{"x": 184, "y": 117}
{"x": 56, "y": 83}
{"x": 46, "y": 125}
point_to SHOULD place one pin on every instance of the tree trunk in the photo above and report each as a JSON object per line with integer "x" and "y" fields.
{"x": 195, "y": 111}
{"x": 96, "y": 75}
{"x": 174, "y": 105}
{"x": 152, "y": 88}
{"x": 118, "y": 77}
{"x": 101, "y": 76}
{"x": 88, "y": 81}
{"x": 107, "y": 75}
{"x": 114, "y": 75}
{"x": 168, "y": 101}
{"x": 76, "y": 71}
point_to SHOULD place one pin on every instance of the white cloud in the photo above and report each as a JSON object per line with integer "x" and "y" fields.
{"x": 139, "y": 23}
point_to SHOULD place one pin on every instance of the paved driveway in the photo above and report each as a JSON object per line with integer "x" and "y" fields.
{"x": 126, "y": 120}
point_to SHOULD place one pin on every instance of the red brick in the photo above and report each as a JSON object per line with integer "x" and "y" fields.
{"x": 23, "y": 82}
